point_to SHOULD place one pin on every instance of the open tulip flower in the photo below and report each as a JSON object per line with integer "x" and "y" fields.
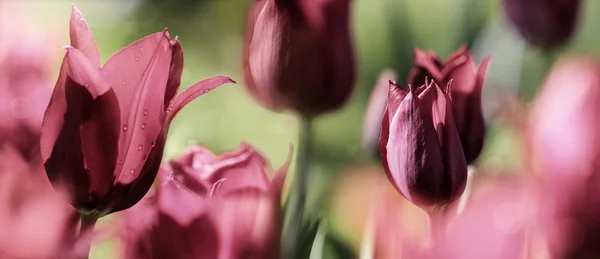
{"x": 210, "y": 207}
{"x": 420, "y": 146}
{"x": 467, "y": 83}
{"x": 105, "y": 127}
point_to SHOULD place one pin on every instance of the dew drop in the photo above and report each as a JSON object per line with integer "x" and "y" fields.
{"x": 137, "y": 59}
{"x": 145, "y": 112}
{"x": 132, "y": 171}
{"x": 206, "y": 90}
{"x": 120, "y": 162}
{"x": 86, "y": 85}
{"x": 141, "y": 48}
{"x": 125, "y": 128}
{"x": 140, "y": 147}
{"x": 169, "y": 109}
{"x": 144, "y": 73}
{"x": 123, "y": 83}
{"x": 143, "y": 125}
{"x": 153, "y": 143}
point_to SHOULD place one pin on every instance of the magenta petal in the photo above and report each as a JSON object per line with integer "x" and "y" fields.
{"x": 83, "y": 72}
{"x": 175, "y": 72}
{"x": 82, "y": 38}
{"x": 138, "y": 74}
{"x": 426, "y": 66}
{"x": 178, "y": 202}
{"x": 194, "y": 92}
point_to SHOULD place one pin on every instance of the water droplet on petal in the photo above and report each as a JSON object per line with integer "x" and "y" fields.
{"x": 125, "y": 128}
{"x": 144, "y": 73}
{"x": 169, "y": 109}
{"x": 140, "y": 147}
{"x": 145, "y": 112}
{"x": 123, "y": 83}
{"x": 86, "y": 85}
{"x": 141, "y": 48}
{"x": 143, "y": 125}
{"x": 137, "y": 59}
{"x": 153, "y": 143}
{"x": 132, "y": 171}
{"x": 120, "y": 162}
{"x": 206, "y": 90}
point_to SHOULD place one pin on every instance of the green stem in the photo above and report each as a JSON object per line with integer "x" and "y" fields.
{"x": 292, "y": 236}
{"x": 87, "y": 225}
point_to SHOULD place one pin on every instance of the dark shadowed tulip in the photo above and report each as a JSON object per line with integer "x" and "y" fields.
{"x": 544, "y": 23}
{"x": 34, "y": 221}
{"x": 564, "y": 150}
{"x": 105, "y": 128}
{"x": 420, "y": 147}
{"x": 298, "y": 55}
{"x": 207, "y": 207}
{"x": 374, "y": 113}
{"x": 467, "y": 82}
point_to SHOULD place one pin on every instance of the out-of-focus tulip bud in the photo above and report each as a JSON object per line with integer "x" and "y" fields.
{"x": 420, "y": 146}
{"x": 494, "y": 223}
{"x": 298, "y": 55}
{"x": 546, "y": 23}
{"x": 34, "y": 220}
{"x": 374, "y": 113}
{"x": 467, "y": 82}
{"x": 564, "y": 150}
{"x": 209, "y": 206}
{"x": 105, "y": 128}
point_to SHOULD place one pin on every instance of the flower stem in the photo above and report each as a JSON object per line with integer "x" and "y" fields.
{"x": 437, "y": 226}
{"x": 87, "y": 225}
{"x": 292, "y": 237}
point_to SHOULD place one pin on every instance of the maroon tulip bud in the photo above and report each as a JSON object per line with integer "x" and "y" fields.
{"x": 564, "y": 149}
{"x": 467, "y": 82}
{"x": 211, "y": 207}
{"x": 105, "y": 128}
{"x": 374, "y": 112}
{"x": 545, "y": 23}
{"x": 420, "y": 147}
{"x": 298, "y": 55}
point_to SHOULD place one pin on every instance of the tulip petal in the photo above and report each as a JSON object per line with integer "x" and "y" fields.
{"x": 375, "y": 111}
{"x": 242, "y": 169}
{"x": 194, "y": 92}
{"x": 82, "y": 38}
{"x": 178, "y": 202}
{"x": 83, "y": 73}
{"x": 425, "y": 66}
{"x": 141, "y": 91}
{"x": 175, "y": 72}
{"x": 278, "y": 180}
{"x": 413, "y": 154}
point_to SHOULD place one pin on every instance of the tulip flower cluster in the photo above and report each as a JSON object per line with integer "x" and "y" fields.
{"x": 93, "y": 146}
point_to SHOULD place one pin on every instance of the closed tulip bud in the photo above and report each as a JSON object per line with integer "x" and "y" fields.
{"x": 467, "y": 83}
{"x": 105, "y": 128}
{"x": 298, "y": 55}
{"x": 420, "y": 146}
{"x": 207, "y": 206}
{"x": 545, "y": 23}
{"x": 563, "y": 137}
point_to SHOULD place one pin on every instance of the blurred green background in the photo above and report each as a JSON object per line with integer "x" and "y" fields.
{"x": 385, "y": 31}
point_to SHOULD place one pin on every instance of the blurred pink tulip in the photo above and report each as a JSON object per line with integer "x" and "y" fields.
{"x": 209, "y": 206}
{"x": 374, "y": 113}
{"x": 564, "y": 150}
{"x": 105, "y": 128}
{"x": 35, "y": 223}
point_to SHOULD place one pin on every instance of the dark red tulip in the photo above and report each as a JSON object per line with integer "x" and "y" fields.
{"x": 298, "y": 55}
{"x": 420, "y": 146}
{"x": 374, "y": 112}
{"x": 105, "y": 128}
{"x": 544, "y": 23}
{"x": 467, "y": 82}
{"x": 563, "y": 137}
{"x": 209, "y": 206}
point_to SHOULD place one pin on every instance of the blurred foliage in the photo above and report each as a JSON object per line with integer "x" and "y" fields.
{"x": 211, "y": 32}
